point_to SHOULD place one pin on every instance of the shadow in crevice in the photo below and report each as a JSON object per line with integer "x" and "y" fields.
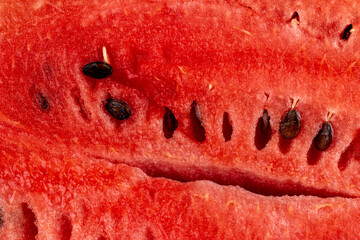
{"x": 350, "y": 153}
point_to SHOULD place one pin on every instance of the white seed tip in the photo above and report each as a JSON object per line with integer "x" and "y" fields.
{"x": 295, "y": 101}
{"x": 294, "y": 21}
{"x": 105, "y": 55}
{"x": 329, "y": 116}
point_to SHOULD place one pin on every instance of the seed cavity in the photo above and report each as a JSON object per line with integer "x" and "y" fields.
{"x": 227, "y": 128}
{"x": 324, "y": 137}
{"x": 42, "y": 101}
{"x": 97, "y": 70}
{"x": 65, "y": 228}
{"x": 345, "y": 157}
{"x": 197, "y": 129}
{"x": 352, "y": 151}
{"x": 170, "y": 123}
{"x": 263, "y": 131}
{"x": 30, "y": 228}
{"x": 149, "y": 234}
{"x": 295, "y": 18}
{"x": 80, "y": 103}
{"x": 118, "y": 109}
{"x": 1, "y": 218}
{"x": 290, "y": 125}
{"x": 347, "y": 32}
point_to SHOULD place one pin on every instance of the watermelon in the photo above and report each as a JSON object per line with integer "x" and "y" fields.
{"x": 174, "y": 119}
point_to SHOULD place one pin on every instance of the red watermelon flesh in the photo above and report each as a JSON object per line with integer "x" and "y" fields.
{"x": 77, "y": 197}
{"x": 232, "y": 58}
{"x": 227, "y": 57}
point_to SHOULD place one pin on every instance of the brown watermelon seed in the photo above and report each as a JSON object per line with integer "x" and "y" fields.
{"x": 290, "y": 125}
{"x": 263, "y": 131}
{"x": 97, "y": 70}
{"x": 319, "y": 142}
{"x": 197, "y": 127}
{"x": 170, "y": 123}
{"x": 323, "y": 139}
{"x": 347, "y": 32}
{"x": 42, "y": 101}
{"x": 227, "y": 128}
{"x": 118, "y": 109}
{"x": 295, "y": 18}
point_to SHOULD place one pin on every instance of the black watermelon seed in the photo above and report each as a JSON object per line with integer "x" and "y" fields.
{"x": 290, "y": 125}
{"x": 118, "y": 109}
{"x": 97, "y": 70}
{"x": 323, "y": 139}
{"x": 170, "y": 123}
{"x": 347, "y": 32}
{"x": 42, "y": 101}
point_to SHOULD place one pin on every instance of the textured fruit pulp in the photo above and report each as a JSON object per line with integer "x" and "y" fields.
{"x": 235, "y": 65}
{"x": 164, "y": 54}
{"x": 160, "y": 59}
{"x": 77, "y": 197}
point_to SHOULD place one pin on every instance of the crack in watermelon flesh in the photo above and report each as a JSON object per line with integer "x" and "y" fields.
{"x": 227, "y": 71}
{"x": 77, "y": 197}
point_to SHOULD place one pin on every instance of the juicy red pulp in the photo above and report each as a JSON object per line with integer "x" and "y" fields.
{"x": 202, "y": 89}
{"x": 214, "y": 90}
{"x": 290, "y": 127}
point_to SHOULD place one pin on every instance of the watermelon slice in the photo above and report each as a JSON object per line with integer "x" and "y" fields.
{"x": 77, "y": 197}
{"x": 112, "y": 113}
